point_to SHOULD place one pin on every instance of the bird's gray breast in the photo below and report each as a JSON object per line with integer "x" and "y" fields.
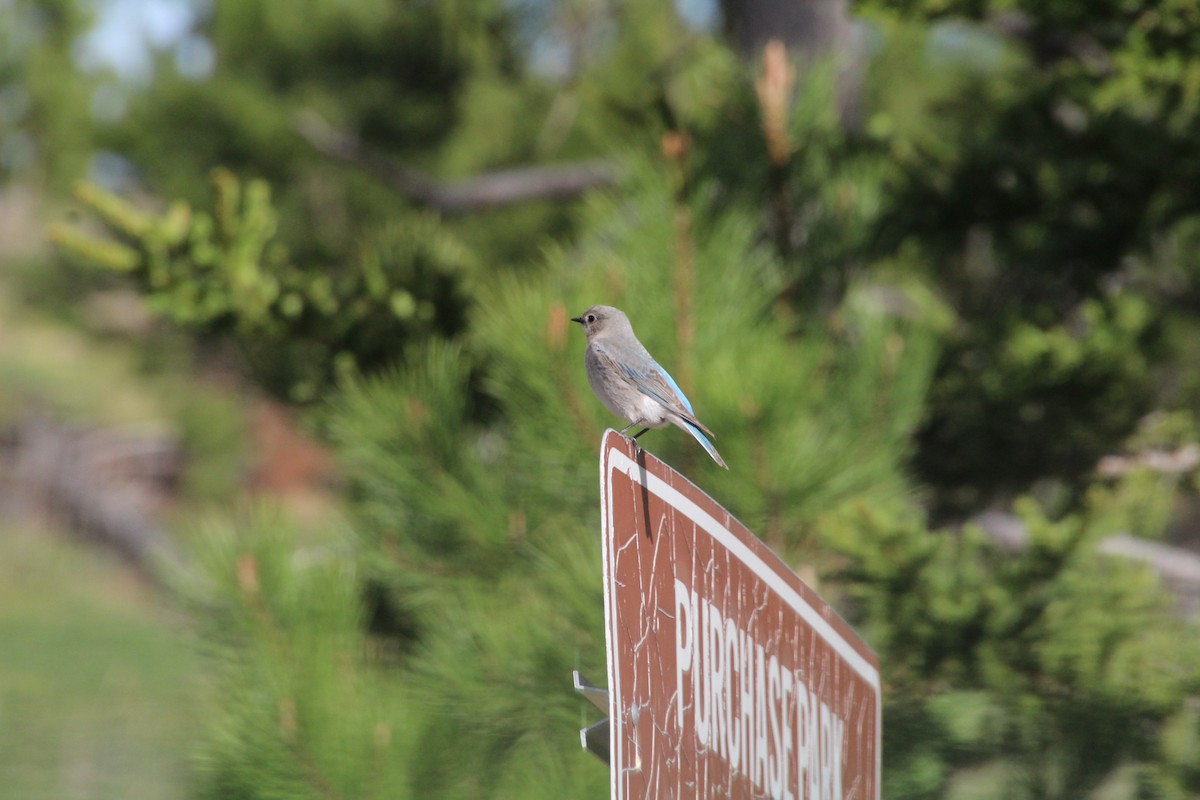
{"x": 615, "y": 390}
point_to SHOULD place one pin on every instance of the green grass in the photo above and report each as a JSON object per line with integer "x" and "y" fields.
{"x": 98, "y": 678}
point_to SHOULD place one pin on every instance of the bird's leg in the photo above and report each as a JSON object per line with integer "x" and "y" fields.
{"x": 633, "y": 424}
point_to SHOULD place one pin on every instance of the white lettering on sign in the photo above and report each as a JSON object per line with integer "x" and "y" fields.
{"x": 751, "y": 710}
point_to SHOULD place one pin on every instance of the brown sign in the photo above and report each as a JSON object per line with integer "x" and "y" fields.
{"x": 728, "y": 677}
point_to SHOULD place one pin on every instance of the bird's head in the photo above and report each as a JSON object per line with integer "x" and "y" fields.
{"x": 598, "y": 320}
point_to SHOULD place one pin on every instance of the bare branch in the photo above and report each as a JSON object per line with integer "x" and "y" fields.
{"x": 1175, "y": 462}
{"x": 105, "y": 484}
{"x": 1175, "y": 565}
{"x": 479, "y": 193}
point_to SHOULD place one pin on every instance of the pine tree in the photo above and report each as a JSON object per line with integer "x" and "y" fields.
{"x": 299, "y": 707}
{"x": 485, "y": 533}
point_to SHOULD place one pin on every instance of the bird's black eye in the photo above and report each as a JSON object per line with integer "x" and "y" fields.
{"x": 590, "y": 317}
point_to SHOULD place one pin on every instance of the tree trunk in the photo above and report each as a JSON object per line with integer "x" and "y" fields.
{"x": 811, "y": 29}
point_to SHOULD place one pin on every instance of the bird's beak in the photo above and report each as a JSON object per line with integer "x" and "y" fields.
{"x": 577, "y": 319}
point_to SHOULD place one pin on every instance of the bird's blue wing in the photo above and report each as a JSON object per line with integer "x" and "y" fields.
{"x": 657, "y": 383}
{"x": 661, "y": 379}
{"x": 674, "y": 387}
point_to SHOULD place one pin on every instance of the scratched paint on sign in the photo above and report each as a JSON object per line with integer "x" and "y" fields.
{"x": 728, "y": 676}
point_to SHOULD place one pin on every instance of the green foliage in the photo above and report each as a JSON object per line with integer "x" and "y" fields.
{"x": 437, "y": 86}
{"x": 301, "y": 327}
{"x": 1042, "y": 400}
{"x": 890, "y": 326}
{"x": 45, "y": 128}
{"x": 448, "y": 530}
{"x": 1058, "y": 660}
{"x": 1140, "y": 497}
{"x": 300, "y": 708}
{"x": 1048, "y": 365}
{"x": 480, "y": 526}
{"x": 1035, "y": 180}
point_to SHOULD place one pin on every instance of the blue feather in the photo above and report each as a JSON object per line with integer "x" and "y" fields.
{"x": 699, "y": 436}
{"x": 674, "y": 387}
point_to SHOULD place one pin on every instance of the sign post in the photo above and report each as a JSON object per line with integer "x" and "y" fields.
{"x": 727, "y": 676}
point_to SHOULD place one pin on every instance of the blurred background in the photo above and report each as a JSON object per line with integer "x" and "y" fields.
{"x": 297, "y": 456}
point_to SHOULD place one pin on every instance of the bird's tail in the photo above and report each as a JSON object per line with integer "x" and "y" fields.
{"x": 699, "y": 436}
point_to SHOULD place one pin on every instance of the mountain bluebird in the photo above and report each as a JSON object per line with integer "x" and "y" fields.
{"x": 630, "y": 383}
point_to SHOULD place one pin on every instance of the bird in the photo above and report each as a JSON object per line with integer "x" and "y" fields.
{"x": 630, "y": 383}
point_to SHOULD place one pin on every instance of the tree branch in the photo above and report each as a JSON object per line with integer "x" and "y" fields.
{"x": 479, "y": 193}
